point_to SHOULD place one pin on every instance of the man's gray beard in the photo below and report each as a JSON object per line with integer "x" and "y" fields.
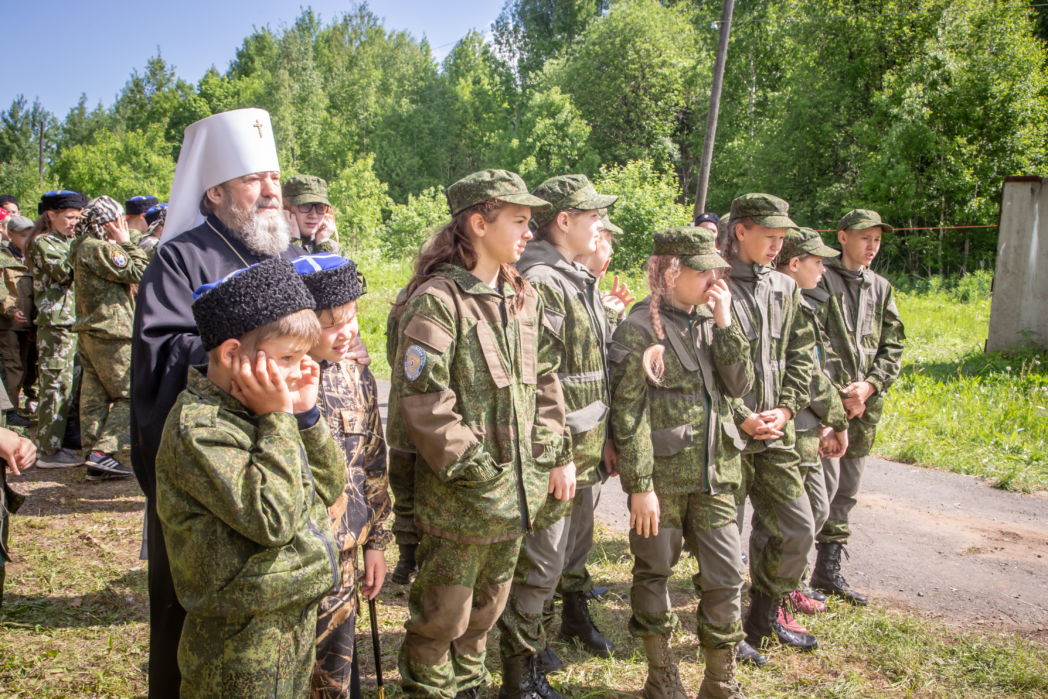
{"x": 264, "y": 233}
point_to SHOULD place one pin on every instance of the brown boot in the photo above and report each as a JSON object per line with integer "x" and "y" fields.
{"x": 663, "y": 677}
{"x": 720, "y": 681}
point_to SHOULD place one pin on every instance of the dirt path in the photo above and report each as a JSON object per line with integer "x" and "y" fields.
{"x": 932, "y": 541}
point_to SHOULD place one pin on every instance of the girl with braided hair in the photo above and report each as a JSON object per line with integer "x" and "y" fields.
{"x": 678, "y": 361}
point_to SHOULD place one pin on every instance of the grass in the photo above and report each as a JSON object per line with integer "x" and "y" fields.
{"x": 74, "y": 622}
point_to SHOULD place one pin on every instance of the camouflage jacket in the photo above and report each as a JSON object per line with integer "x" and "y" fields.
{"x": 825, "y": 406}
{"x": 243, "y": 500}
{"x": 476, "y": 398}
{"x": 12, "y": 269}
{"x": 349, "y": 401}
{"x": 105, "y": 271}
{"x": 580, "y": 334}
{"x": 766, "y": 307}
{"x": 329, "y": 245}
{"x": 666, "y": 433}
{"x": 52, "y": 281}
{"x": 865, "y": 330}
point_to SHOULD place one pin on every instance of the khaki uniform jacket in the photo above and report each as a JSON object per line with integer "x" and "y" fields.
{"x": 104, "y": 272}
{"x": 766, "y": 305}
{"x": 52, "y": 281}
{"x": 666, "y": 433}
{"x": 825, "y": 406}
{"x": 243, "y": 499}
{"x": 865, "y": 330}
{"x": 13, "y": 269}
{"x": 476, "y": 398}
{"x": 580, "y": 333}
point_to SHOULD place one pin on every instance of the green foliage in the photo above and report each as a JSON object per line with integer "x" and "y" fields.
{"x": 647, "y": 203}
{"x": 360, "y": 200}
{"x": 120, "y": 166}
{"x": 410, "y": 224}
{"x": 554, "y": 138}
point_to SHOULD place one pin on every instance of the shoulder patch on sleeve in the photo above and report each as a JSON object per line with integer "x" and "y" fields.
{"x": 429, "y": 332}
{"x": 414, "y": 362}
{"x": 118, "y": 258}
{"x": 617, "y": 352}
{"x": 553, "y": 320}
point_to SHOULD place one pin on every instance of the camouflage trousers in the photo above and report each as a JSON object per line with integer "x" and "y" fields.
{"x": 269, "y": 655}
{"x": 402, "y": 484}
{"x": 460, "y": 591}
{"x": 57, "y": 348}
{"x": 15, "y": 359}
{"x": 707, "y": 523}
{"x": 336, "y": 634}
{"x": 575, "y": 578}
{"x": 540, "y": 563}
{"x": 783, "y": 530}
{"x": 10, "y": 501}
{"x": 843, "y": 479}
{"x": 105, "y": 394}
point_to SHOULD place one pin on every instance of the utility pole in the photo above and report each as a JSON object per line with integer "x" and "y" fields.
{"x": 711, "y": 118}
{"x": 41, "y": 151}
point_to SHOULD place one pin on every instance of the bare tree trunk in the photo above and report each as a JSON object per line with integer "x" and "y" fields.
{"x": 711, "y": 117}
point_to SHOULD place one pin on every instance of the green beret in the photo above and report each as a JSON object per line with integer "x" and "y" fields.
{"x": 696, "y": 247}
{"x": 491, "y": 184}
{"x": 805, "y": 241}
{"x": 858, "y": 219}
{"x": 570, "y": 192}
{"x": 765, "y": 210}
{"x": 305, "y": 189}
{"x": 608, "y": 225}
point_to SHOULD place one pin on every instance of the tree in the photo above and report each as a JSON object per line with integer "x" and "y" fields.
{"x": 553, "y": 138}
{"x": 121, "y": 166}
{"x": 360, "y": 202}
{"x": 528, "y": 33}
{"x": 20, "y": 149}
{"x": 410, "y": 224}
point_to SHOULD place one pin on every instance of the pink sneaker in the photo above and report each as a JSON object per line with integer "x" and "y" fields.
{"x": 788, "y": 621}
{"x": 802, "y": 604}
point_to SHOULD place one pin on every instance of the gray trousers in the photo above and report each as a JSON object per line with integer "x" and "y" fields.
{"x": 575, "y": 578}
{"x": 815, "y": 487}
{"x": 843, "y": 478}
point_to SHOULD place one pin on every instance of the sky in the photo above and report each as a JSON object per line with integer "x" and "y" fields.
{"x": 92, "y": 47}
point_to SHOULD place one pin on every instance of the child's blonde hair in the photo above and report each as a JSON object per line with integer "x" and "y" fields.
{"x": 339, "y": 314}
{"x": 302, "y": 326}
{"x": 663, "y": 271}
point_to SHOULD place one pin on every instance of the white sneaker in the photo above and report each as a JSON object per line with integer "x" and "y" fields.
{"x": 63, "y": 458}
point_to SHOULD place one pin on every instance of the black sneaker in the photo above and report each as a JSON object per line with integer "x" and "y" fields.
{"x": 103, "y": 467}
{"x": 15, "y": 420}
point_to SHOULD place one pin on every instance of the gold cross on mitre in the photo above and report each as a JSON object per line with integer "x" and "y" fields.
{"x": 258, "y": 125}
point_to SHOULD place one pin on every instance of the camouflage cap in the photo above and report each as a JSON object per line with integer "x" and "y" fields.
{"x": 305, "y": 189}
{"x": 570, "y": 192}
{"x": 608, "y": 225}
{"x": 491, "y": 184}
{"x": 805, "y": 241}
{"x": 858, "y": 219}
{"x": 765, "y": 210}
{"x": 696, "y": 247}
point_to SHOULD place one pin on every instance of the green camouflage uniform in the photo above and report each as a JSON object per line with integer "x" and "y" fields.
{"x": 243, "y": 500}
{"x": 105, "y": 311}
{"x": 10, "y": 501}
{"x": 767, "y": 307}
{"x": 474, "y": 384}
{"x": 55, "y": 302}
{"x": 307, "y": 189}
{"x": 824, "y": 406}
{"x": 349, "y": 401}
{"x": 866, "y": 333}
{"x": 678, "y": 438}
{"x": 579, "y": 334}
{"x": 401, "y": 462}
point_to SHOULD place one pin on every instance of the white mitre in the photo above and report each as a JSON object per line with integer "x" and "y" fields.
{"x": 217, "y": 149}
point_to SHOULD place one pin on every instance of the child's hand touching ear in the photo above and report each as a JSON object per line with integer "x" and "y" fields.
{"x": 259, "y": 386}
{"x": 304, "y": 390}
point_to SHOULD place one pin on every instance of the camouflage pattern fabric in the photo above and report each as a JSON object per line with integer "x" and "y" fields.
{"x": 460, "y": 591}
{"x": 475, "y": 379}
{"x": 665, "y": 434}
{"x": 482, "y": 186}
{"x": 105, "y": 271}
{"x": 691, "y": 517}
{"x": 105, "y": 393}
{"x": 52, "y": 282}
{"x": 57, "y": 351}
{"x": 10, "y": 502}
{"x": 777, "y": 541}
{"x": 825, "y": 405}
{"x": 243, "y": 500}
{"x": 349, "y": 402}
{"x": 576, "y": 578}
{"x": 766, "y": 307}
{"x": 401, "y": 462}
{"x": 11, "y": 269}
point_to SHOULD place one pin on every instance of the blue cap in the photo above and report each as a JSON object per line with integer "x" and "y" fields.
{"x": 204, "y": 288}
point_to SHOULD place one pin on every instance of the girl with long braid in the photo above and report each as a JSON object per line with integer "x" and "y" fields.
{"x": 677, "y": 361}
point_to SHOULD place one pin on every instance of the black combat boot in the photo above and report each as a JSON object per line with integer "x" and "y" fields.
{"x": 522, "y": 679}
{"x": 406, "y": 569}
{"x": 827, "y": 575}
{"x": 763, "y": 624}
{"x": 745, "y": 653}
{"x": 549, "y": 662}
{"x": 577, "y": 624}
{"x": 596, "y": 593}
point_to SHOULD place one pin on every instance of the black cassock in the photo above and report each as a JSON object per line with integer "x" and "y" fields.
{"x": 164, "y": 346}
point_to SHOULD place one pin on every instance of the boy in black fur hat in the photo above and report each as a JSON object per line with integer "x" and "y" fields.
{"x": 245, "y": 472}
{"x": 349, "y": 402}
